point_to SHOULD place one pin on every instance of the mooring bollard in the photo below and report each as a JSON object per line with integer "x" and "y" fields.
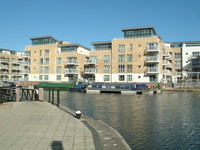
{"x": 78, "y": 114}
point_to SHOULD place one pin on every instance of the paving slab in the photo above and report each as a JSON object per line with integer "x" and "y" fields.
{"x": 39, "y": 125}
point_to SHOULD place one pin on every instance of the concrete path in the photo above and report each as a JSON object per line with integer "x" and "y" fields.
{"x": 41, "y": 126}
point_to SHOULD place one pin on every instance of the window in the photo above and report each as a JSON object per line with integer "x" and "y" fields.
{"x": 58, "y": 77}
{"x": 121, "y": 78}
{"x": 139, "y": 45}
{"x": 129, "y": 58}
{"x": 106, "y": 78}
{"x": 121, "y": 48}
{"x": 46, "y": 52}
{"x": 177, "y": 55}
{"x": 46, "y": 69}
{"x": 40, "y": 77}
{"x": 94, "y": 58}
{"x": 58, "y": 60}
{"x": 106, "y": 68}
{"x": 68, "y": 49}
{"x": 129, "y": 77}
{"x": 121, "y": 58}
{"x": 46, "y": 61}
{"x": 106, "y": 58}
{"x": 152, "y": 46}
{"x": 46, "y": 77}
{"x": 40, "y": 52}
{"x": 40, "y": 69}
{"x": 121, "y": 68}
{"x": 129, "y": 68}
{"x": 177, "y": 63}
{"x": 58, "y": 69}
{"x": 41, "y": 61}
{"x": 195, "y": 54}
{"x": 131, "y": 48}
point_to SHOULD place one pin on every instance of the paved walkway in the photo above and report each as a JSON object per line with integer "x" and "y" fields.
{"x": 41, "y": 126}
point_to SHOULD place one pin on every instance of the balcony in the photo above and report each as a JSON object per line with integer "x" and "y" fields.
{"x": 168, "y": 64}
{"x": 15, "y": 68}
{"x": 90, "y": 71}
{"x": 71, "y": 71}
{"x": 90, "y": 62}
{"x": 151, "y": 70}
{"x": 152, "y": 49}
{"x": 15, "y": 62}
{"x": 71, "y": 62}
{"x": 4, "y": 67}
{"x": 193, "y": 57}
{"x": 26, "y": 55}
{"x": 152, "y": 60}
{"x": 167, "y": 72}
{"x": 166, "y": 54}
{"x": 4, "y": 73}
{"x": 24, "y": 63}
{"x": 195, "y": 65}
{"x": 4, "y": 60}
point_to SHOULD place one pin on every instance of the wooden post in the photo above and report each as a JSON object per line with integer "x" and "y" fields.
{"x": 41, "y": 94}
{"x": 18, "y": 95}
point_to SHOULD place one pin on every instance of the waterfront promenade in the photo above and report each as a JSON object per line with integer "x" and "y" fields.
{"x": 39, "y": 126}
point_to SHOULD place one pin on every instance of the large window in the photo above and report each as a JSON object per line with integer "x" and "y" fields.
{"x": 177, "y": 55}
{"x": 121, "y": 48}
{"x": 40, "y": 69}
{"x": 106, "y": 58}
{"x": 121, "y": 77}
{"x": 58, "y": 60}
{"x": 121, "y": 58}
{"x": 106, "y": 78}
{"x": 40, "y": 77}
{"x": 152, "y": 46}
{"x": 94, "y": 58}
{"x": 129, "y": 58}
{"x": 46, "y": 77}
{"x": 131, "y": 48}
{"x": 106, "y": 68}
{"x": 41, "y": 61}
{"x": 129, "y": 68}
{"x": 58, "y": 69}
{"x": 121, "y": 68}
{"x": 46, "y": 69}
{"x": 100, "y": 47}
{"x": 129, "y": 78}
{"x": 139, "y": 33}
{"x": 68, "y": 49}
{"x": 195, "y": 54}
{"x": 46, "y": 61}
{"x": 177, "y": 63}
{"x": 46, "y": 52}
{"x": 58, "y": 77}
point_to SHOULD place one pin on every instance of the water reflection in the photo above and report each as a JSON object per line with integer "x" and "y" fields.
{"x": 166, "y": 121}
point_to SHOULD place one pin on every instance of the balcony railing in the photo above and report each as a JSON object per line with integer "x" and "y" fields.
{"x": 167, "y": 72}
{"x": 152, "y": 70}
{"x": 90, "y": 62}
{"x": 15, "y": 68}
{"x": 152, "y": 49}
{"x": 90, "y": 71}
{"x": 71, "y": 62}
{"x": 152, "y": 60}
{"x": 4, "y": 67}
{"x": 15, "y": 62}
{"x": 4, "y": 60}
{"x": 71, "y": 71}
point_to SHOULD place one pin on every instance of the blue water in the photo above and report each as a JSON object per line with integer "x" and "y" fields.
{"x": 168, "y": 121}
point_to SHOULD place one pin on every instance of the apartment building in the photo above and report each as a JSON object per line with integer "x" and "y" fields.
{"x": 14, "y": 66}
{"x": 54, "y": 60}
{"x": 139, "y": 56}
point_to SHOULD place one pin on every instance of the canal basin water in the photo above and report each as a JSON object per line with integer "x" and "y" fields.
{"x": 169, "y": 120}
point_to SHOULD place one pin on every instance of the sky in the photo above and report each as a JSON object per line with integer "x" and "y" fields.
{"x": 87, "y": 21}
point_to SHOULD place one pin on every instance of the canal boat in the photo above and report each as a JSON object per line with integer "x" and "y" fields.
{"x": 123, "y": 88}
{"x": 80, "y": 87}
